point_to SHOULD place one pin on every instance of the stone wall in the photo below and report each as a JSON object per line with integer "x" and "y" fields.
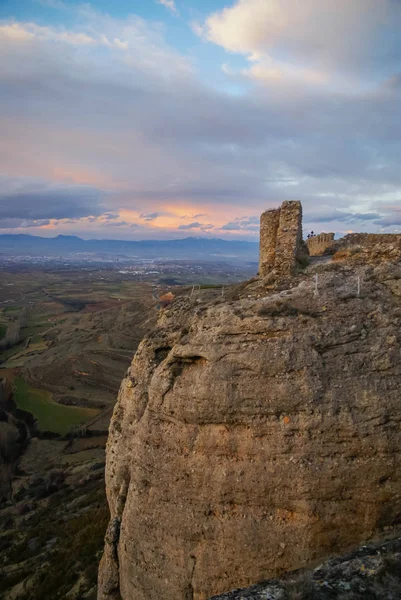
{"x": 324, "y": 243}
{"x": 269, "y": 224}
{"x": 319, "y": 244}
{"x": 281, "y": 245}
{"x": 367, "y": 248}
{"x": 367, "y": 240}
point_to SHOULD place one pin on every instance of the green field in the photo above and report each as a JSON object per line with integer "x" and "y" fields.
{"x": 50, "y": 415}
{"x": 6, "y": 354}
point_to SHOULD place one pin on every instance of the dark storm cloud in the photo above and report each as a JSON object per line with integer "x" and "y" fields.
{"x": 150, "y": 216}
{"x": 34, "y": 200}
{"x": 190, "y": 226}
{"x": 15, "y": 223}
{"x": 197, "y": 225}
{"x": 392, "y": 219}
{"x": 242, "y": 224}
{"x": 347, "y": 217}
{"x": 117, "y": 224}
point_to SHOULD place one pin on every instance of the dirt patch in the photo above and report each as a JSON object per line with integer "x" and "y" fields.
{"x": 80, "y": 444}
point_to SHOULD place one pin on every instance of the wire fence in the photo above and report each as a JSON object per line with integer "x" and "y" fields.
{"x": 354, "y": 285}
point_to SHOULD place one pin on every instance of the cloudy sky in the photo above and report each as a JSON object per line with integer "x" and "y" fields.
{"x": 138, "y": 119}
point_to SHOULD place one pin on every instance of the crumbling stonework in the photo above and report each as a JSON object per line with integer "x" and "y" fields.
{"x": 320, "y": 244}
{"x": 367, "y": 240}
{"x": 367, "y": 248}
{"x": 269, "y": 224}
{"x": 281, "y": 245}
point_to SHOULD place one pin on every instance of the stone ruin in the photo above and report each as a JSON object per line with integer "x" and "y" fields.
{"x": 282, "y": 248}
{"x": 320, "y": 244}
{"x": 283, "y": 251}
{"x": 360, "y": 247}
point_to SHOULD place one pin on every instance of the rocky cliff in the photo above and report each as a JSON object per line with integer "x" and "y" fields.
{"x": 371, "y": 572}
{"x": 256, "y": 434}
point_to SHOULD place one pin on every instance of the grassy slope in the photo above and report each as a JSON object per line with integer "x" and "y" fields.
{"x": 50, "y": 415}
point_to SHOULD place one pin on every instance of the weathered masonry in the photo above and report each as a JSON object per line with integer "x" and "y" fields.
{"x": 320, "y": 244}
{"x": 281, "y": 246}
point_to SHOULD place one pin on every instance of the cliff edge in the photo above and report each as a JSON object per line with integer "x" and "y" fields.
{"x": 256, "y": 434}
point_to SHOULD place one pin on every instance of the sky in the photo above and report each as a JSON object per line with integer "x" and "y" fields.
{"x": 162, "y": 119}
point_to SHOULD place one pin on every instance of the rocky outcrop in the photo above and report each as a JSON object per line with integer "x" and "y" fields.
{"x": 368, "y": 240}
{"x": 372, "y": 572}
{"x": 362, "y": 248}
{"x": 256, "y": 435}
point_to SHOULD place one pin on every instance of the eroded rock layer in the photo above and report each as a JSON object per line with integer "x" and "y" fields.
{"x": 256, "y": 435}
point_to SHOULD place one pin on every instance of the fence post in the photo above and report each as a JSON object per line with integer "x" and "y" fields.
{"x": 316, "y": 284}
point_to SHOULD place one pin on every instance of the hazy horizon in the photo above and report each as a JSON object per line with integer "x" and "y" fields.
{"x": 115, "y": 239}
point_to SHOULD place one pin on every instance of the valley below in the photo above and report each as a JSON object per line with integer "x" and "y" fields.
{"x": 67, "y": 336}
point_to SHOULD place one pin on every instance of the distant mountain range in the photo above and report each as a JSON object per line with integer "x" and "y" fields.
{"x": 187, "y": 248}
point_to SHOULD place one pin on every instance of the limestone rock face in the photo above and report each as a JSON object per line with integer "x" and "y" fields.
{"x": 256, "y": 436}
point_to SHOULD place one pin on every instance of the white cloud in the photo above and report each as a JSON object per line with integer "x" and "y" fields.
{"x": 270, "y": 71}
{"x": 312, "y": 37}
{"x": 170, "y": 4}
{"x": 15, "y": 32}
{"x": 30, "y": 31}
{"x": 139, "y": 44}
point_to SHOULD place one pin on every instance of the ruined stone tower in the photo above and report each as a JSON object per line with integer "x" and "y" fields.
{"x": 281, "y": 246}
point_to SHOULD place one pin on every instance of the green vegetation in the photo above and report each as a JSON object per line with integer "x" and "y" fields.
{"x": 11, "y": 309}
{"x": 64, "y": 514}
{"x": 38, "y": 339}
{"x": 3, "y": 331}
{"x": 17, "y": 355}
{"x": 210, "y": 286}
{"x": 76, "y": 554}
{"x": 34, "y": 329}
{"x": 50, "y": 415}
{"x": 6, "y": 354}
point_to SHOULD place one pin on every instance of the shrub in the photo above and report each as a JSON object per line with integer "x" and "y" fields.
{"x": 8, "y": 441}
{"x": 303, "y": 588}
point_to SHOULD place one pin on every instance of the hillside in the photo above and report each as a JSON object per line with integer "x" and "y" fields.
{"x": 66, "y": 341}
